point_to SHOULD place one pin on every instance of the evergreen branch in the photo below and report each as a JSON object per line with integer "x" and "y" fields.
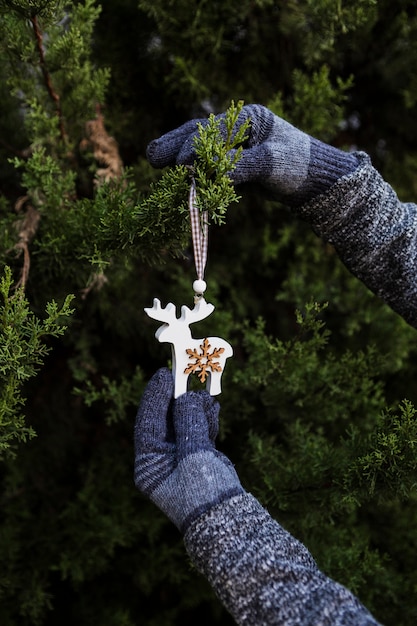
{"x": 47, "y": 77}
{"x": 217, "y": 156}
{"x": 22, "y": 352}
{"x": 29, "y": 10}
{"x": 117, "y": 396}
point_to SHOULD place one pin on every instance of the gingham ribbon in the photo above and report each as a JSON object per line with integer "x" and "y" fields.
{"x": 199, "y": 232}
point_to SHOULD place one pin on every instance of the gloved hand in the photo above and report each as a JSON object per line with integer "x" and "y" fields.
{"x": 286, "y": 161}
{"x": 176, "y": 463}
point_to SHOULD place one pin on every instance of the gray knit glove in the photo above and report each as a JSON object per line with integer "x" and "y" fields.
{"x": 176, "y": 463}
{"x": 284, "y": 160}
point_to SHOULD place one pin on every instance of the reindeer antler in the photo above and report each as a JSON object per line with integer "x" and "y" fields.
{"x": 167, "y": 314}
{"x": 201, "y": 310}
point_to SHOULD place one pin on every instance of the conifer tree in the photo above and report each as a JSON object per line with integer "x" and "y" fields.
{"x": 318, "y": 408}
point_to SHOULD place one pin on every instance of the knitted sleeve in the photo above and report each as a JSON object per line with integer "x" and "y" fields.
{"x": 373, "y": 232}
{"x": 262, "y": 574}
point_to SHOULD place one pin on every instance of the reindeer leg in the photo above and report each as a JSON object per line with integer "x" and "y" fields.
{"x": 180, "y": 378}
{"x": 213, "y": 385}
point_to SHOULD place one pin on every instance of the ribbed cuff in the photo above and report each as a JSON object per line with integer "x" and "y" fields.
{"x": 327, "y": 165}
{"x": 203, "y": 509}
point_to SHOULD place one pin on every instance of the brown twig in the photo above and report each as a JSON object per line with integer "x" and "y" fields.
{"x": 26, "y": 228}
{"x": 47, "y": 77}
{"x": 22, "y": 154}
{"x": 105, "y": 150}
{"x": 96, "y": 282}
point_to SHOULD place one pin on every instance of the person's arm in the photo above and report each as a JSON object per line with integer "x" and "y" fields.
{"x": 373, "y": 232}
{"x": 340, "y": 194}
{"x": 262, "y": 574}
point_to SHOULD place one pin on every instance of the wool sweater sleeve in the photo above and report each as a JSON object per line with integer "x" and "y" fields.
{"x": 262, "y": 574}
{"x": 373, "y": 232}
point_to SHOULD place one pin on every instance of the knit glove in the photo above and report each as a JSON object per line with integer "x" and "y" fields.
{"x": 287, "y": 162}
{"x": 176, "y": 463}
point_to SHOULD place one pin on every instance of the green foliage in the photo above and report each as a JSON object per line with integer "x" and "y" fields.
{"x": 317, "y": 103}
{"x": 44, "y": 179}
{"x": 116, "y": 396}
{"x": 327, "y": 457}
{"x": 386, "y": 464}
{"x": 318, "y": 405}
{"x": 51, "y": 72}
{"x": 216, "y": 157}
{"x": 22, "y": 352}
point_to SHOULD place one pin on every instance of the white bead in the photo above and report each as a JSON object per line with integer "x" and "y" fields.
{"x": 199, "y": 286}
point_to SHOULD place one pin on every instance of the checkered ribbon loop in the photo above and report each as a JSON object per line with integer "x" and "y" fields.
{"x": 199, "y": 232}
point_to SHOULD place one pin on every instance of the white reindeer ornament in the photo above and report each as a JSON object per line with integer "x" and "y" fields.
{"x": 206, "y": 357}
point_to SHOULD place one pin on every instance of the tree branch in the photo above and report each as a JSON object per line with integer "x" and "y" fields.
{"x": 47, "y": 77}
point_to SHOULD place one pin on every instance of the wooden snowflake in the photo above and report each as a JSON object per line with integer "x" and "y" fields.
{"x": 204, "y": 361}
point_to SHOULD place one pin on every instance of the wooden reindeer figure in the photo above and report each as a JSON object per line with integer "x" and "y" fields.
{"x": 206, "y": 357}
